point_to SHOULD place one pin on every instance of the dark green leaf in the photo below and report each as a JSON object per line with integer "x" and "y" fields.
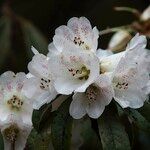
{"x": 90, "y": 139}
{"x": 1, "y": 142}
{"x": 39, "y": 117}
{"x": 145, "y": 111}
{"x": 33, "y": 37}
{"x": 138, "y": 119}
{"x": 61, "y": 127}
{"x": 39, "y": 141}
{"x": 5, "y": 27}
{"x": 112, "y": 132}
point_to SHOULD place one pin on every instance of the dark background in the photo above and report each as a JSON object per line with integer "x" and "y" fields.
{"x": 46, "y": 16}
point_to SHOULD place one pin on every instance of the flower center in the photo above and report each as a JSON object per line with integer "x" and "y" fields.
{"x": 45, "y": 83}
{"x": 81, "y": 74}
{"x": 11, "y": 133}
{"x": 15, "y": 102}
{"x": 91, "y": 93}
{"x": 79, "y": 42}
{"x": 120, "y": 84}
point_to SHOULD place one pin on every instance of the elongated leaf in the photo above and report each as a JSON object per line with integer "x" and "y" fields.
{"x": 61, "y": 127}
{"x": 90, "y": 139}
{"x": 145, "y": 111}
{"x": 138, "y": 119}
{"x": 33, "y": 37}
{"x": 39, "y": 141}
{"x": 112, "y": 132}
{"x": 1, "y": 142}
{"x": 39, "y": 117}
{"x": 5, "y": 26}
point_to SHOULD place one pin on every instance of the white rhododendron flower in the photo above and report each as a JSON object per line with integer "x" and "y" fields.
{"x": 12, "y": 98}
{"x": 93, "y": 100}
{"x": 39, "y": 87}
{"x": 131, "y": 75}
{"x": 78, "y": 33}
{"x": 15, "y": 133}
{"x": 74, "y": 71}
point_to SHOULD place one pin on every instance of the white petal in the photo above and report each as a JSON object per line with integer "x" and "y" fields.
{"x": 137, "y": 42}
{"x": 6, "y": 80}
{"x": 19, "y": 80}
{"x": 95, "y": 109}
{"x": 31, "y": 87}
{"x": 100, "y": 53}
{"x": 52, "y": 50}
{"x": 44, "y": 97}
{"x": 109, "y": 63}
{"x": 39, "y": 66}
{"x": 132, "y": 99}
{"x": 77, "y": 106}
{"x": 92, "y": 63}
{"x": 63, "y": 39}
{"x": 4, "y": 112}
{"x": 106, "y": 91}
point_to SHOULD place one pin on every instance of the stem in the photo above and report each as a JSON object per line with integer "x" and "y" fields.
{"x": 115, "y": 29}
{"x": 128, "y": 9}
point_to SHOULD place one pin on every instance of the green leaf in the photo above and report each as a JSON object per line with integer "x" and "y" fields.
{"x": 39, "y": 117}
{"x": 90, "y": 139}
{"x": 33, "y": 37}
{"x": 61, "y": 127}
{"x": 1, "y": 142}
{"x": 112, "y": 132}
{"x": 138, "y": 119}
{"x": 145, "y": 111}
{"x": 5, "y": 27}
{"x": 39, "y": 141}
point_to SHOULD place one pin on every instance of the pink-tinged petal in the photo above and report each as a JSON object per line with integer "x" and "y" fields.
{"x": 39, "y": 66}
{"x": 137, "y": 42}
{"x": 77, "y": 106}
{"x": 6, "y": 80}
{"x": 106, "y": 91}
{"x": 95, "y": 109}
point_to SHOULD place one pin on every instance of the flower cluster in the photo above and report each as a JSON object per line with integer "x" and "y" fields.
{"x": 74, "y": 65}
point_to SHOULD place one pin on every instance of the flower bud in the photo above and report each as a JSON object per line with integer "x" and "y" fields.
{"x": 119, "y": 41}
{"x": 146, "y": 14}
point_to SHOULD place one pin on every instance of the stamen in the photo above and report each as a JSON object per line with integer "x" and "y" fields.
{"x": 81, "y": 74}
{"x": 79, "y": 42}
{"x": 15, "y": 103}
{"x": 91, "y": 93}
{"x": 11, "y": 133}
{"x": 44, "y": 83}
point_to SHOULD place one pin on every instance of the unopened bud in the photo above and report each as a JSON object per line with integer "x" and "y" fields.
{"x": 119, "y": 41}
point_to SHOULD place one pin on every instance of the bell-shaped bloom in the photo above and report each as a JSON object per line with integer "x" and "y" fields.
{"x": 15, "y": 133}
{"x": 39, "y": 87}
{"x": 131, "y": 76}
{"x": 12, "y": 99}
{"x": 93, "y": 100}
{"x": 78, "y": 33}
{"x": 73, "y": 71}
